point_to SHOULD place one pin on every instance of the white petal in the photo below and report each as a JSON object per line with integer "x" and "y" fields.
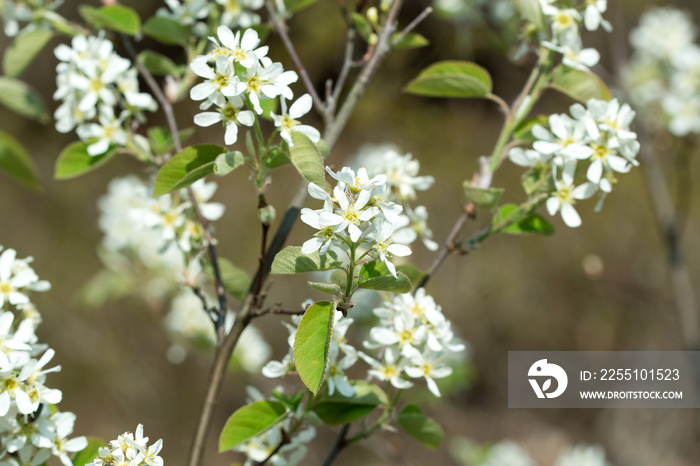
{"x": 207, "y": 118}
{"x": 570, "y": 216}
{"x": 301, "y": 107}
{"x": 399, "y": 250}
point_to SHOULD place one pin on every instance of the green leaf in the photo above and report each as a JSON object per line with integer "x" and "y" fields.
{"x": 118, "y": 18}
{"x": 398, "y": 284}
{"x": 373, "y": 269}
{"x": 89, "y": 453}
{"x": 579, "y": 85}
{"x": 412, "y": 272}
{"x": 16, "y": 162}
{"x": 235, "y": 279}
{"x": 227, "y": 162}
{"x": 74, "y": 161}
{"x": 363, "y": 26}
{"x": 307, "y": 159}
{"x": 537, "y": 180}
{"x": 294, "y": 6}
{"x": 421, "y": 427}
{"x": 521, "y": 224}
{"x": 337, "y": 409}
{"x": 186, "y": 167}
{"x": 161, "y": 140}
{"x": 328, "y": 288}
{"x": 290, "y": 260}
{"x": 269, "y": 106}
{"x": 312, "y": 344}
{"x": 452, "y": 79}
{"x": 290, "y": 401}
{"x": 523, "y": 132}
{"x": 486, "y": 198}
{"x": 530, "y": 10}
{"x": 23, "y": 99}
{"x": 166, "y": 30}
{"x": 410, "y": 41}
{"x": 23, "y": 49}
{"x": 158, "y": 64}
{"x": 250, "y": 421}
{"x": 277, "y": 158}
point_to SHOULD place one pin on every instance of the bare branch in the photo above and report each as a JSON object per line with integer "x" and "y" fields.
{"x": 412, "y": 25}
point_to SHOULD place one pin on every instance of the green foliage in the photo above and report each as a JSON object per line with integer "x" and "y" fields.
{"x": 412, "y": 272}
{"x": 15, "y": 161}
{"x": 410, "y": 41}
{"x": 118, "y": 18}
{"x": 374, "y": 275}
{"x": 235, "y": 279}
{"x": 167, "y": 31}
{"x": 20, "y": 53}
{"x": 537, "y": 180}
{"x": 227, "y": 162}
{"x": 579, "y": 85}
{"x": 161, "y": 140}
{"x": 530, "y": 10}
{"x": 74, "y": 161}
{"x": 250, "y": 421}
{"x": 337, "y": 409}
{"x": 459, "y": 79}
{"x": 328, "y": 288}
{"x": 89, "y": 453}
{"x": 312, "y": 344}
{"x": 485, "y": 198}
{"x": 363, "y": 26}
{"x": 307, "y": 159}
{"x": 158, "y": 64}
{"x": 523, "y": 132}
{"x": 519, "y": 222}
{"x": 294, "y": 6}
{"x": 292, "y": 402}
{"x": 277, "y": 158}
{"x": 186, "y": 167}
{"x": 290, "y": 260}
{"x": 21, "y": 98}
{"x": 421, "y": 427}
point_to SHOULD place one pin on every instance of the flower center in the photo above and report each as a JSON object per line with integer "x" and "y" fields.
{"x": 5, "y": 288}
{"x": 565, "y": 195}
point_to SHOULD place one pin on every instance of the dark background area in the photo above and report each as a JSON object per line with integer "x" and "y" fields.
{"x": 514, "y": 293}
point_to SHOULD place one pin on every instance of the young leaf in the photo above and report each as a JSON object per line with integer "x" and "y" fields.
{"x": 89, "y": 453}
{"x": 235, "y": 279}
{"x": 75, "y": 161}
{"x": 363, "y": 26}
{"x": 186, "y": 167}
{"x": 290, "y": 260}
{"x": 337, "y": 409}
{"x": 158, "y": 64}
{"x": 161, "y": 140}
{"x": 23, "y": 99}
{"x": 277, "y": 158}
{"x": 485, "y": 198}
{"x": 400, "y": 284}
{"x": 373, "y": 269}
{"x": 532, "y": 224}
{"x": 579, "y": 85}
{"x": 523, "y": 132}
{"x": 227, "y": 162}
{"x": 327, "y": 288}
{"x": 421, "y": 427}
{"x": 23, "y": 49}
{"x": 290, "y": 401}
{"x": 451, "y": 79}
{"x": 166, "y": 30}
{"x": 15, "y": 161}
{"x": 307, "y": 159}
{"x": 312, "y": 344}
{"x": 250, "y": 421}
{"x": 410, "y": 41}
{"x": 118, "y": 18}
{"x": 412, "y": 272}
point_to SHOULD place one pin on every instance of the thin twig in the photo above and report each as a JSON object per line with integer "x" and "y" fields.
{"x": 281, "y": 29}
{"x": 340, "y": 443}
{"x": 468, "y": 211}
{"x": 285, "y": 440}
{"x": 412, "y": 25}
{"x": 345, "y": 68}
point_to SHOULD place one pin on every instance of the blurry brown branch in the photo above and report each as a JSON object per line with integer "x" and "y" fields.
{"x": 167, "y": 107}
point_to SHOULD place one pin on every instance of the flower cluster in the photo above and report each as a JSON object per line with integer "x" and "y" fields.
{"x": 415, "y": 340}
{"x": 238, "y": 76}
{"x": 598, "y": 135}
{"x": 355, "y": 216}
{"x": 35, "y": 12}
{"x": 341, "y": 356}
{"x": 510, "y": 453}
{"x": 130, "y": 450}
{"x": 30, "y": 433}
{"x": 92, "y": 81}
{"x": 194, "y": 13}
{"x": 663, "y": 75}
{"x": 560, "y": 30}
{"x": 402, "y": 182}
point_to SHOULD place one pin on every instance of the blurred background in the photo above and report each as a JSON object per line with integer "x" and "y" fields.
{"x": 603, "y": 286}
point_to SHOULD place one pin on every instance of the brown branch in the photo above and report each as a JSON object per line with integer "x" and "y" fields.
{"x": 340, "y": 443}
{"x": 412, "y": 25}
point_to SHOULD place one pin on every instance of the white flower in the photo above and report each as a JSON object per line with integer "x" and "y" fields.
{"x": 574, "y": 55}
{"x": 593, "y": 15}
{"x": 287, "y": 122}
{"x": 565, "y": 140}
{"x": 237, "y": 13}
{"x": 384, "y": 244}
{"x": 17, "y": 278}
{"x": 108, "y": 132}
{"x": 231, "y": 113}
{"x": 582, "y": 455}
{"x": 508, "y": 453}
{"x": 390, "y": 369}
{"x": 427, "y": 367}
{"x": 663, "y": 32}
{"x": 566, "y": 195}
{"x": 219, "y": 80}
{"x": 243, "y": 50}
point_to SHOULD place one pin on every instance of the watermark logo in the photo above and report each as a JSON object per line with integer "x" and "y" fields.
{"x": 544, "y": 371}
